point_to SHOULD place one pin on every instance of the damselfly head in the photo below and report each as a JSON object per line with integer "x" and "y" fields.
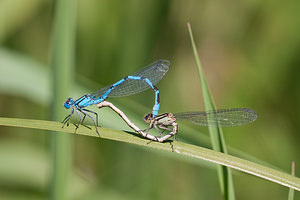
{"x": 147, "y": 118}
{"x": 68, "y": 103}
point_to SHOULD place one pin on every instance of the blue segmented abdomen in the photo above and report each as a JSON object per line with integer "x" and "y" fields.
{"x": 154, "y": 72}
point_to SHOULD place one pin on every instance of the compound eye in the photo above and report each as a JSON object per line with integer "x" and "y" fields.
{"x": 68, "y": 103}
{"x": 147, "y": 118}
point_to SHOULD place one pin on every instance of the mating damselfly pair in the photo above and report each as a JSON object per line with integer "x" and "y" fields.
{"x": 142, "y": 80}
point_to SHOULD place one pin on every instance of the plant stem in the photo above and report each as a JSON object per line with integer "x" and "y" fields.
{"x": 62, "y": 67}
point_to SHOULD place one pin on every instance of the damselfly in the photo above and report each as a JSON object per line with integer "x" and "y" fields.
{"x": 220, "y": 117}
{"x": 137, "y": 82}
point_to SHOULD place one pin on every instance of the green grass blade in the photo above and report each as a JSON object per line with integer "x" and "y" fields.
{"x": 183, "y": 149}
{"x": 216, "y": 134}
{"x": 62, "y": 59}
{"x": 291, "y": 191}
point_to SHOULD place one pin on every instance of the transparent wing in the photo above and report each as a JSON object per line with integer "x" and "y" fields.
{"x": 220, "y": 117}
{"x": 154, "y": 72}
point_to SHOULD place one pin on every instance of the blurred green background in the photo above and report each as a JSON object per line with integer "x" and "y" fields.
{"x": 250, "y": 54}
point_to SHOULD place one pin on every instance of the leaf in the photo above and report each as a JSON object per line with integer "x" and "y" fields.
{"x": 183, "y": 149}
{"x": 291, "y": 191}
{"x": 216, "y": 134}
